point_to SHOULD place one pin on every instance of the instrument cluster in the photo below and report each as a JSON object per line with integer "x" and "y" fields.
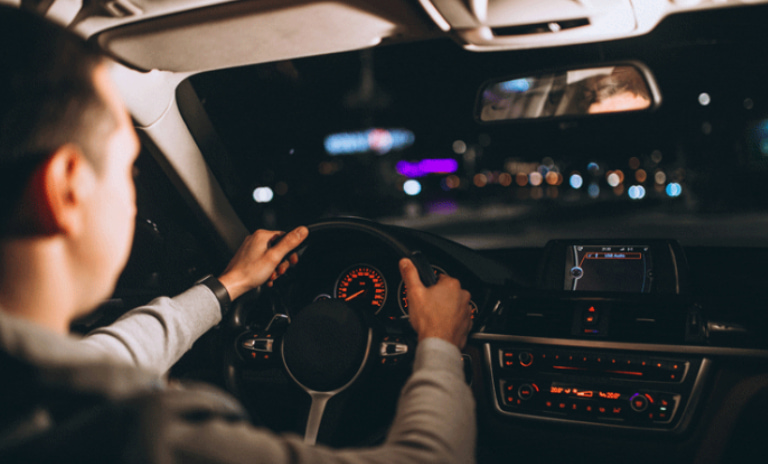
{"x": 364, "y": 287}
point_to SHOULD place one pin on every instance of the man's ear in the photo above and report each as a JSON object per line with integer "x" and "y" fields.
{"x": 57, "y": 190}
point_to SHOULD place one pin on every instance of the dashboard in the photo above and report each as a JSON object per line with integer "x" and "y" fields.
{"x": 623, "y": 344}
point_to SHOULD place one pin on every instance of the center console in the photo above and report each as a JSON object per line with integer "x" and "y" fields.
{"x": 601, "y": 341}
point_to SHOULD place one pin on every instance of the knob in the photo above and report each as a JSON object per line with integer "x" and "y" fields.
{"x": 526, "y": 391}
{"x": 525, "y": 358}
{"x": 638, "y": 402}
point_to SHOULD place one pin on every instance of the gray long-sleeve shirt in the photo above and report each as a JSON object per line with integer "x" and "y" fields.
{"x": 434, "y": 422}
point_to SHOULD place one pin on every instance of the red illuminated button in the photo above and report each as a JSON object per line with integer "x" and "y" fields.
{"x": 507, "y": 358}
{"x": 526, "y": 391}
{"x": 590, "y": 316}
{"x": 526, "y": 359}
{"x": 638, "y": 402}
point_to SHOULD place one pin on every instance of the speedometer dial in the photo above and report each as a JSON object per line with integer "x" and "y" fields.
{"x": 362, "y": 286}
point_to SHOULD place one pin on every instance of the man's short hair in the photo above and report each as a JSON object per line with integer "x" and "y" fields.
{"x": 47, "y": 100}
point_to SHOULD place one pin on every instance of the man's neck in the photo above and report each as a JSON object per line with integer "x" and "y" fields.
{"x": 36, "y": 283}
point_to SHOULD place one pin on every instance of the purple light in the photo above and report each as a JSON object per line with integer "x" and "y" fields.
{"x": 442, "y": 207}
{"x": 427, "y": 166}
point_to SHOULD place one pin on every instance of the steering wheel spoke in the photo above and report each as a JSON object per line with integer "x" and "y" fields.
{"x": 316, "y": 410}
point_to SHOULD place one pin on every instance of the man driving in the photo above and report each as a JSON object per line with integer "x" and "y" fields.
{"x": 67, "y": 211}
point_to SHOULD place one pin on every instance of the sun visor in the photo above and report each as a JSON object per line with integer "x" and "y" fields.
{"x": 241, "y": 33}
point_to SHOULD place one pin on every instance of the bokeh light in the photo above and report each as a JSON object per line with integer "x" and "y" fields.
{"x": 412, "y": 187}
{"x": 576, "y": 180}
{"x": 263, "y": 195}
{"x": 636, "y": 192}
{"x": 674, "y": 189}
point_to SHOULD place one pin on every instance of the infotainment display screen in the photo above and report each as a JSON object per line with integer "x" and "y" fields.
{"x": 615, "y": 268}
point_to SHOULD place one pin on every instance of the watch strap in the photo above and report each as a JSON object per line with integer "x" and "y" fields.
{"x": 219, "y": 291}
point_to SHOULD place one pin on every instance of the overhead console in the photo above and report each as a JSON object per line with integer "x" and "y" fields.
{"x": 485, "y": 25}
{"x": 591, "y": 343}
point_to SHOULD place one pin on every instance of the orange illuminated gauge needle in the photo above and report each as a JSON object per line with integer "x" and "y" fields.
{"x": 354, "y": 295}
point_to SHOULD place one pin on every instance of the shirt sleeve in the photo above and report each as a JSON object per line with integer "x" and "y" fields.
{"x": 153, "y": 337}
{"x": 434, "y": 423}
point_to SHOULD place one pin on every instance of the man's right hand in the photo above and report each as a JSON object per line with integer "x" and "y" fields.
{"x": 441, "y": 310}
{"x": 258, "y": 262}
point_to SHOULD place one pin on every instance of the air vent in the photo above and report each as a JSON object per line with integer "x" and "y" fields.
{"x": 540, "y": 28}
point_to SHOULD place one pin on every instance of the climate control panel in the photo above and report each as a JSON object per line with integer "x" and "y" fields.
{"x": 631, "y": 389}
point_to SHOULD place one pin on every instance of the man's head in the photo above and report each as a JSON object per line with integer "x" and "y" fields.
{"x": 67, "y": 148}
{"x": 47, "y": 100}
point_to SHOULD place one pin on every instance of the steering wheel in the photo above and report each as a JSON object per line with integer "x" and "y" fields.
{"x": 326, "y": 345}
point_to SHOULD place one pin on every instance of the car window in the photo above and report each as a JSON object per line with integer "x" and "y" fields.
{"x": 390, "y": 134}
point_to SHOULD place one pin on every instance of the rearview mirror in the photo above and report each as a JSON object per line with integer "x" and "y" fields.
{"x": 572, "y": 92}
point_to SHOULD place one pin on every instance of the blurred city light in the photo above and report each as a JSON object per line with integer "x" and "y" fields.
{"x": 576, "y": 181}
{"x": 459, "y": 147}
{"x": 613, "y": 179}
{"x": 480, "y": 180}
{"x": 593, "y": 190}
{"x": 380, "y": 141}
{"x": 521, "y": 179}
{"x": 553, "y": 178}
{"x": 656, "y": 156}
{"x": 704, "y": 99}
{"x": 660, "y": 177}
{"x": 263, "y": 195}
{"x": 505, "y": 179}
{"x": 674, "y": 189}
{"x": 641, "y": 176}
{"x": 442, "y": 207}
{"x": 412, "y": 187}
{"x": 535, "y": 178}
{"x": 636, "y": 192}
{"x": 634, "y": 162}
{"x": 426, "y": 167}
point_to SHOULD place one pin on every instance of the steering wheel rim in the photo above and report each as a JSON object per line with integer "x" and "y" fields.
{"x": 317, "y": 231}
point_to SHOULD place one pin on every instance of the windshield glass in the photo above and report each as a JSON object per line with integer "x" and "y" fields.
{"x": 390, "y": 134}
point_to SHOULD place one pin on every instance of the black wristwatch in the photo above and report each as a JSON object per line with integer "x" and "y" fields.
{"x": 219, "y": 290}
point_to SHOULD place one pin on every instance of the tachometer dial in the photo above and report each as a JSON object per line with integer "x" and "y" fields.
{"x": 403, "y": 292}
{"x": 363, "y": 286}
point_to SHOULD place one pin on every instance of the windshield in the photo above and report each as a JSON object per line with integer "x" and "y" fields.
{"x": 390, "y": 134}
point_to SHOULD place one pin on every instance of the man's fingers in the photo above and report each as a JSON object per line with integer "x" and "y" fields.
{"x": 410, "y": 275}
{"x": 284, "y": 244}
{"x": 283, "y": 267}
{"x": 290, "y": 241}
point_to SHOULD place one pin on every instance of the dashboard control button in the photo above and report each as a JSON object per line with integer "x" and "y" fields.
{"x": 590, "y": 317}
{"x": 638, "y": 402}
{"x": 507, "y": 358}
{"x": 526, "y": 391}
{"x": 525, "y": 358}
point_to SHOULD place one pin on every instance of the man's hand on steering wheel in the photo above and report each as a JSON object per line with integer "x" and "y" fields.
{"x": 441, "y": 310}
{"x": 258, "y": 262}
